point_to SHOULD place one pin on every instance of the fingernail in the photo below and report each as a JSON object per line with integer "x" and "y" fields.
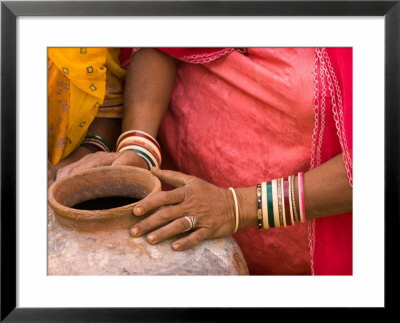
{"x": 134, "y": 231}
{"x": 138, "y": 210}
{"x": 176, "y": 246}
{"x": 151, "y": 238}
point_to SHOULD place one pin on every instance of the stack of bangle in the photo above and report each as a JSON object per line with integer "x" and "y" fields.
{"x": 143, "y": 144}
{"x": 96, "y": 143}
{"x": 276, "y": 203}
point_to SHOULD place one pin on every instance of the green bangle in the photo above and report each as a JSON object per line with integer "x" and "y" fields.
{"x": 270, "y": 205}
{"x": 103, "y": 140}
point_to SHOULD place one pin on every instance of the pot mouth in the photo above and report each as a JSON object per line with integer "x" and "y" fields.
{"x": 97, "y": 183}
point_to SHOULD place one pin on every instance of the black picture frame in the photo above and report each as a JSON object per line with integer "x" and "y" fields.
{"x": 10, "y": 10}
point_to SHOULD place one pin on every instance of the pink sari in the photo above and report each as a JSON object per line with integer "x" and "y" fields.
{"x": 243, "y": 119}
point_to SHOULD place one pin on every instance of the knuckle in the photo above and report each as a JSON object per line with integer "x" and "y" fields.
{"x": 164, "y": 197}
{"x": 165, "y": 214}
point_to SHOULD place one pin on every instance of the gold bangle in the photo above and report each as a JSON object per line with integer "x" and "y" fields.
{"x": 236, "y": 209}
{"x": 264, "y": 205}
{"x": 275, "y": 202}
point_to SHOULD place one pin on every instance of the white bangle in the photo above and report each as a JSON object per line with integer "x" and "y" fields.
{"x": 236, "y": 209}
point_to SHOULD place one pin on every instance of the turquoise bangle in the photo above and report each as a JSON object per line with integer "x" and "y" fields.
{"x": 270, "y": 206}
{"x": 145, "y": 157}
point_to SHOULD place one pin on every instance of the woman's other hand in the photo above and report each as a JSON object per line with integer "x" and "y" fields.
{"x": 100, "y": 158}
{"x": 210, "y": 207}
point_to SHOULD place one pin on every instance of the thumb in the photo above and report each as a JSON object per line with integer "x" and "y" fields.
{"x": 171, "y": 177}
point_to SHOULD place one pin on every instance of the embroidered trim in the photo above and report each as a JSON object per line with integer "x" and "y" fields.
{"x": 316, "y": 110}
{"x": 323, "y": 106}
{"x": 311, "y": 242}
{"x": 319, "y": 107}
{"x": 209, "y": 57}
{"x": 337, "y": 109}
{"x": 195, "y": 58}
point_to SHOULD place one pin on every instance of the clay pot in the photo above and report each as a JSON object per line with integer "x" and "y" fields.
{"x": 86, "y": 242}
{"x": 97, "y": 183}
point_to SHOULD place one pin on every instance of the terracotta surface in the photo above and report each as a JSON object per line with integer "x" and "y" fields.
{"x": 84, "y": 242}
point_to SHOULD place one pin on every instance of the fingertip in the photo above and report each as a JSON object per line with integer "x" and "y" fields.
{"x": 151, "y": 238}
{"x": 138, "y": 210}
{"x": 176, "y": 246}
{"x": 133, "y": 231}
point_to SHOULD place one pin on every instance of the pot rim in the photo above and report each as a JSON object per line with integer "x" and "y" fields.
{"x": 90, "y": 215}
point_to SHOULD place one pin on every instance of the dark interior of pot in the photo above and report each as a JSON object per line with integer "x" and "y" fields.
{"x": 105, "y": 203}
{"x": 103, "y": 190}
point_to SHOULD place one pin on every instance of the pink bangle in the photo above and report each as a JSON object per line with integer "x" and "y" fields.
{"x": 301, "y": 198}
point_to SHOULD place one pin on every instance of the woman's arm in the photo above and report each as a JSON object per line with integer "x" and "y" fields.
{"x": 327, "y": 192}
{"x": 149, "y": 83}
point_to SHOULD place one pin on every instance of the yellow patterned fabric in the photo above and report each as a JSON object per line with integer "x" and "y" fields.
{"x": 82, "y": 83}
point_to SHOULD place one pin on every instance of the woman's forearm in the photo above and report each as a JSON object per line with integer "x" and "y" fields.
{"x": 148, "y": 88}
{"x": 326, "y": 192}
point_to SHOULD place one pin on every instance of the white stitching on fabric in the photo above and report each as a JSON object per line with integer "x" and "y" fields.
{"x": 323, "y": 108}
{"x": 316, "y": 110}
{"x": 337, "y": 109}
{"x": 316, "y": 151}
{"x": 209, "y": 57}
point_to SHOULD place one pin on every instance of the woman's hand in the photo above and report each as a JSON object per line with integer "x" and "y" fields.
{"x": 211, "y": 207}
{"x": 101, "y": 158}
